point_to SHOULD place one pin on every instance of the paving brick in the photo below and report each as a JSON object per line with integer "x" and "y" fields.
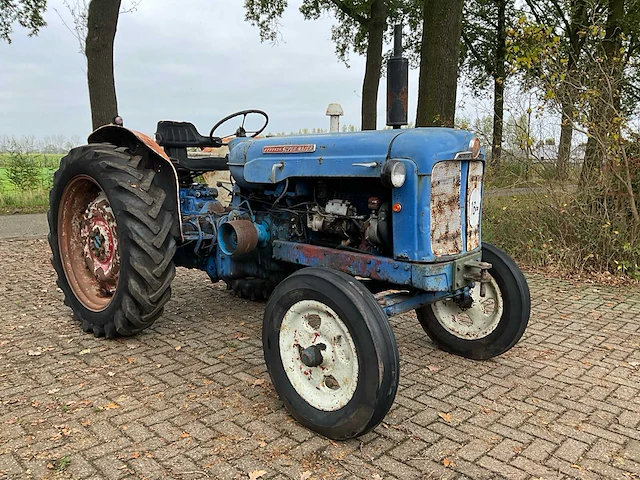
{"x": 571, "y": 450}
{"x": 562, "y": 404}
{"x": 539, "y": 450}
{"x": 474, "y": 449}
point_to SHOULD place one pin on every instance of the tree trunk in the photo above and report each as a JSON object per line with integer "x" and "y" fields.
{"x": 498, "y": 88}
{"x": 102, "y": 22}
{"x": 440, "y": 52}
{"x": 566, "y": 136}
{"x": 373, "y": 64}
{"x": 605, "y": 113}
{"x": 578, "y": 14}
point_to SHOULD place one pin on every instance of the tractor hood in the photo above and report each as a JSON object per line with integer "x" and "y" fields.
{"x": 358, "y": 154}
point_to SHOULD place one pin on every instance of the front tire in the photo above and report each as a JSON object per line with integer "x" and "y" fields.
{"x": 330, "y": 352}
{"x": 493, "y": 324}
{"x": 111, "y": 237}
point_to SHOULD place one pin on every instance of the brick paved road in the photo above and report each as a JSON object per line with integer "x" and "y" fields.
{"x": 191, "y": 399}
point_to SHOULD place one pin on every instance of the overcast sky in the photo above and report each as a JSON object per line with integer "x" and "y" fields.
{"x": 193, "y": 60}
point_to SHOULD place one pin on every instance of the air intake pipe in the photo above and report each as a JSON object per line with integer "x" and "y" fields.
{"x": 241, "y": 236}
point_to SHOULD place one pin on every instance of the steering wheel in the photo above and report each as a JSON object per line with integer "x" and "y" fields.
{"x": 241, "y": 132}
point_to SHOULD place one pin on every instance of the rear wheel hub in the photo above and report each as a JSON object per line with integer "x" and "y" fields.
{"x": 99, "y": 238}
{"x": 88, "y": 242}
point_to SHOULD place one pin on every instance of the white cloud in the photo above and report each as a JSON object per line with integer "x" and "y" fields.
{"x": 194, "y": 60}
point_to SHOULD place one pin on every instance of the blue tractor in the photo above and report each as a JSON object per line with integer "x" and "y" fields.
{"x": 339, "y": 232}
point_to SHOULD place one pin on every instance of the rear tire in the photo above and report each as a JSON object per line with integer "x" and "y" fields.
{"x": 112, "y": 239}
{"x": 330, "y": 352}
{"x": 476, "y": 333}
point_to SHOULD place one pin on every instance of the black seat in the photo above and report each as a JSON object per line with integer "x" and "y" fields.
{"x": 182, "y": 135}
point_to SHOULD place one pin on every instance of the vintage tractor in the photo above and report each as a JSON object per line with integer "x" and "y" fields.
{"x": 338, "y": 231}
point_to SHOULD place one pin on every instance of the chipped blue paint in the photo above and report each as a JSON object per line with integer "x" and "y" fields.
{"x": 432, "y": 277}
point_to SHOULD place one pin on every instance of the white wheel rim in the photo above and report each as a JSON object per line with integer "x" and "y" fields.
{"x": 330, "y": 385}
{"x": 475, "y": 322}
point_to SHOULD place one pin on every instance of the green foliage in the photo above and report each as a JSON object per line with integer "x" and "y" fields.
{"x": 22, "y": 172}
{"x": 34, "y": 201}
{"x": 27, "y": 13}
{"x": 62, "y": 463}
{"x": 554, "y": 230}
{"x": 479, "y": 52}
{"x": 350, "y": 32}
{"x": 265, "y": 14}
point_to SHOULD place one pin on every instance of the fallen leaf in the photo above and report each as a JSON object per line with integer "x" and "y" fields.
{"x": 135, "y": 455}
{"x": 111, "y": 406}
{"x": 305, "y": 475}
{"x": 433, "y": 368}
{"x": 148, "y": 454}
{"x": 206, "y": 381}
{"x": 262, "y": 443}
{"x": 448, "y": 463}
{"x": 85, "y": 351}
{"x": 257, "y": 474}
{"x": 445, "y": 416}
{"x": 131, "y": 360}
{"x": 185, "y": 435}
{"x": 577, "y": 467}
{"x": 178, "y": 347}
{"x": 111, "y": 374}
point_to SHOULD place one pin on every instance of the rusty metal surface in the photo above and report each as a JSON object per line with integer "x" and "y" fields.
{"x": 114, "y": 134}
{"x": 238, "y": 237}
{"x": 446, "y": 225}
{"x": 431, "y": 277}
{"x": 122, "y": 136}
{"x": 85, "y": 224}
{"x": 474, "y": 204}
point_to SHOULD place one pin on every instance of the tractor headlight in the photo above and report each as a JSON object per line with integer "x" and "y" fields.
{"x": 393, "y": 174}
{"x": 474, "y": 147}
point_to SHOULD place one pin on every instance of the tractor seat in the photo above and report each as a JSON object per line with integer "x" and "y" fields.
{"x": 183, "y": 135}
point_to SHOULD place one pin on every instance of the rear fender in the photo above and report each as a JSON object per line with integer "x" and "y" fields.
{"x": 124, "y": 137}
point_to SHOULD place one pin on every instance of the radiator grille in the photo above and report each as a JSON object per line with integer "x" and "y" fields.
{"x": 446, "y": 225}
{"x": 474, "y": 204}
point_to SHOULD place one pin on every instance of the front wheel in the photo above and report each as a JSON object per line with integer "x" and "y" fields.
{"x": 493, "y": 324}
{"x": 330, "y": 352}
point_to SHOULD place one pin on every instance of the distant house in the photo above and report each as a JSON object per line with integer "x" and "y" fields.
{"x": 548, "y": 152}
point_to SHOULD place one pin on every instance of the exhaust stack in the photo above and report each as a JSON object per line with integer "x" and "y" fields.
{"x": 397, "y": 83}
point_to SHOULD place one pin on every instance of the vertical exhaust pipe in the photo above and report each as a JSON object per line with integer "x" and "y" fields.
{"x": 397, "y": 83}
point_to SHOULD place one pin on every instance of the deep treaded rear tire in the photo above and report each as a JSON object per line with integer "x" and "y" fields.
{"x": 145, "y": 227}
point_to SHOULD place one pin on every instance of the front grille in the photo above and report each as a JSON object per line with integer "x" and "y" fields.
{"x": 474, "y": 204}
{"x": 446, "y": 225}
